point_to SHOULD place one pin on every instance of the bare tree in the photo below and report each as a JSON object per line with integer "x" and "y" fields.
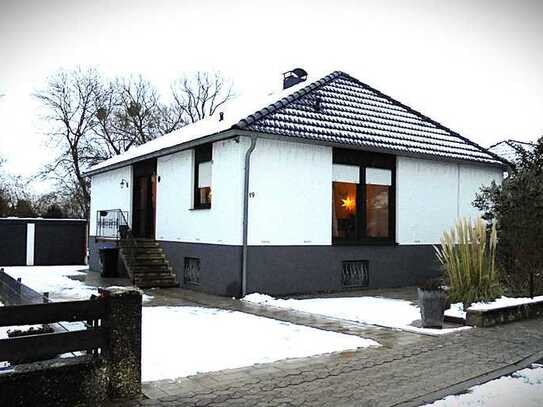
{"x": 91, "y": 119}
{"x": 130, "y": 113}
{"x": 140, "y": 111}
{"x": 200, "y": 95}
{"x": 69, "y": 99}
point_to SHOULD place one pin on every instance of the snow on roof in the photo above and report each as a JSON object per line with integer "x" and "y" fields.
{"x": 233, "y": 111}
{"x": 509, "y": 149}
{"x": 337, "y": 109}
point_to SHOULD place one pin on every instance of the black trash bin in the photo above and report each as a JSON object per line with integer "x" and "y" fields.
{"x": 109, "y": 257}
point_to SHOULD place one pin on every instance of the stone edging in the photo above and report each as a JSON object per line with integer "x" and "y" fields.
{"x": 503, "y": 315}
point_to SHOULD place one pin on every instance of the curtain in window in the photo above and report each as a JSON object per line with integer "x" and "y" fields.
{"x": 378, "y": 183}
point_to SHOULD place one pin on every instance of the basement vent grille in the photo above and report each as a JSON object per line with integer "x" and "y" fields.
{"x": 191, "y": 274}
{"x": 355, "y": 274}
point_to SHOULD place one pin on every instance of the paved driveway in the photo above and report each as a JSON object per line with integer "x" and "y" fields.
{"x": 408, "y": 370}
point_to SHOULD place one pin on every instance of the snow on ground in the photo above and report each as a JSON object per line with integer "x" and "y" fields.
{"x": 181, "y": 341}
{"x": 386, "y": 312}
{"x": 54, "y": 280}
{"x": 57, "y": 282}
{"x": 457, "y": 310}
{"x": 523, "y": 388}
{"x": 504, "y": 302}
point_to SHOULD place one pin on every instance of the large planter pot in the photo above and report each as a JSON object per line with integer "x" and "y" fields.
{"x": 432, "y": 304}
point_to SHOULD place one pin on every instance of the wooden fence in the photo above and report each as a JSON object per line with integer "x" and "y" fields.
{"x": 37, "y": 346}
{"x": 106, "y": 346}
{"x": 24, "y": 306}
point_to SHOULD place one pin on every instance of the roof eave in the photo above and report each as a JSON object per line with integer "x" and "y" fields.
{"x": 223, "y": 135}
{"x": 428, "y": 156}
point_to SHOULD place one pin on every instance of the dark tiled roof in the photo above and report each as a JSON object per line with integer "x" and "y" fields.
{"x": 340, "y": 109}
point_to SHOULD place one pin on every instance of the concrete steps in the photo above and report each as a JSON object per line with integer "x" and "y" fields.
{"x": 147, "y": 264}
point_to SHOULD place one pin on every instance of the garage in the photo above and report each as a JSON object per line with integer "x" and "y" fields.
{"x": 41, "y": 242}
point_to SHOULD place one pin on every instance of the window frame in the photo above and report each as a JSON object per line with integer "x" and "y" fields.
{"x": 363, "y": 160}
{"x": 202, "y": 154}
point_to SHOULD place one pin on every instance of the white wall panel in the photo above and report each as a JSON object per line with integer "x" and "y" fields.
{"x": 107, "y": 193}
{"x": 432, "y": 195}
{"x": 177, "y": 221}
{"x": 426, "y": 201}
{"x": 292, "y": 187}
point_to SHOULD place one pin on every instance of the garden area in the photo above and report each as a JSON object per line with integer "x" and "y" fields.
{"x": 493, "y": 266}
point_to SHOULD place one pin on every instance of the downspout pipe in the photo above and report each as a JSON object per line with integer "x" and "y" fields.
{"x": 246, "y": 216}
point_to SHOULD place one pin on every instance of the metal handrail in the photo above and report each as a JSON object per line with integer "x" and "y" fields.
{"x": 127, "y": 235}
{"x": 113, "y": 224}
{"x": 110, "y": 222}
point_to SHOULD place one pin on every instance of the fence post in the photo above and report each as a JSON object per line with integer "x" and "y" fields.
{"x": 19, "y": 300}
{"x": 122, "y": 325}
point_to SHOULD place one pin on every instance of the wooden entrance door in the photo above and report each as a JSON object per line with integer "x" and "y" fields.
{"x": 144, "y": 199}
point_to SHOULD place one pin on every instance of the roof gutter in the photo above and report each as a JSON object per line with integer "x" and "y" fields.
{"x": 245, "y": 249}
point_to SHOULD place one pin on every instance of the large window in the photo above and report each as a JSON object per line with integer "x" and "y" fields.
{"x": 363, "y": 197}
{"x": 202, "y": 176}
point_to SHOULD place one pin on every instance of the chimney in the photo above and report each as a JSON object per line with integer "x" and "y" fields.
{"x": 291, "y": 78}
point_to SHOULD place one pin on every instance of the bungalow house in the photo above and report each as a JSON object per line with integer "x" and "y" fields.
{"x": 327, "y": 186}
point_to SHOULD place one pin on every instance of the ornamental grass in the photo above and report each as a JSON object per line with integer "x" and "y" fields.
{"x": 468, "y": 256}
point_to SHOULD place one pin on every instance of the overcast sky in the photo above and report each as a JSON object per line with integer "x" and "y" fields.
{"x": 475, "y": 66}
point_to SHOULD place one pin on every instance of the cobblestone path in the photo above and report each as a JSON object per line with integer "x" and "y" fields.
{"x": 409, "y": 370}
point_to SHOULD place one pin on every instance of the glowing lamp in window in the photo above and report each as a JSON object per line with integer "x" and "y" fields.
{"x": 349, "y": 204}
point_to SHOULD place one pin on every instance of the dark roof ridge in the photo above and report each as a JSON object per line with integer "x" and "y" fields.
{"x": 285, "y": 101}
{"x": 262, "y": 113}
{"x": 424, "y": 117}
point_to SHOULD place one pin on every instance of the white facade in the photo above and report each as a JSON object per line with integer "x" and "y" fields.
{"x": 290, "y": 199}
{"x": 107, "y": 193}
{"x": 221, "y": 224}
{"x": 290, "y": 195}
{"x": 431, "y": 195}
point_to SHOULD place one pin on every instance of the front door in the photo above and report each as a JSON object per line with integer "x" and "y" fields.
{"x": 144, "y": 199}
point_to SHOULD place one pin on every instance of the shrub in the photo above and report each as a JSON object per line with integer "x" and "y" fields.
{"x": 468, "y": 257}
{"x": 517, "y": 207}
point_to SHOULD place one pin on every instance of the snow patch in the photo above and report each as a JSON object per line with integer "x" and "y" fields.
{"x": 457, "y": 310}
{"x": 386, "y": 312}
{"x": 504, "y": 302}
{"x": 54, "y": 280}
{"x": 182, "y": 341}
{"x": 523, "y": 388}
{"x": 57, "y": 282}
